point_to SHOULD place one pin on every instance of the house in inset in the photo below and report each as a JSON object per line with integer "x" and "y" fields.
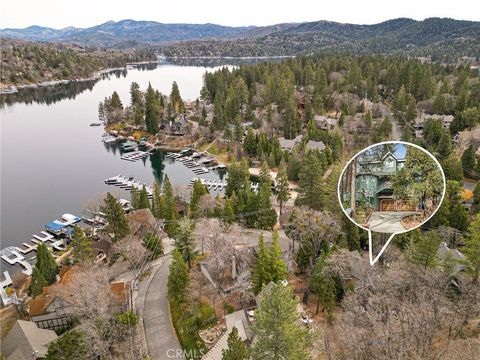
{"x": 374, "y": 183}
{"x": 26, "y": 341}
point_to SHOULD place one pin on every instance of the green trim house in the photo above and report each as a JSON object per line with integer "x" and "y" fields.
{"x": 374, "y": 185}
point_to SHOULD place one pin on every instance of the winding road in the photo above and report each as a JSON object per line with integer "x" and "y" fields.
{"x": 162, "y": 343}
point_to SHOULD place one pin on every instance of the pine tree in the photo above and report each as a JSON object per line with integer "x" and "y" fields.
{"x": 176, "y": 99}
{"x": 152, "y": 110}
{"x": 236, "y": 179}
{"x": 46, "y": 264}
{"x": 178, "y": 280}
{"x": 276, "y": 328}
{"x": 157, "y": 203}
{"x": 471, "y": 250}
{"x": 310, "y": 191}
{"x": 250, "y": 143}
{"x": 143, "y": 201}
{"x": 115, "y": 102}
{"x": 198, "y": 191}
{"x": 82, "y": 245}
{"x": 71, "y": 345}
{"x": 276, "y": 266}
{"x": 400, "y": 100}
{"x": 170, "y": 208}
{"x": 184, "y": 241}
{"x": 117, "y": 223}
{"x": 323, "y": 286}
{"x": 37, "y": 283}
{"x": 228, "y": 211}
{"x": 444, "y": 147}
{"x": 425, "y": 251}
{"x": 135, "y": 95}
{"x": 260, "y": 275}
{"x": 283, "y": 192}
{"x": 237, "y": 349}
{"x": 468, "y": 160}
{"x": 411, "y": 112}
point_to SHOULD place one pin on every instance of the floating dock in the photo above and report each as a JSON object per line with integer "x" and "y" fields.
{"x": 128, "y": 184}
{"x": 136, "y": 155}
{"x": 15, "y": 255}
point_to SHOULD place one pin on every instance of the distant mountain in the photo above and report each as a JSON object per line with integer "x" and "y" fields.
{"x": 111, "y": 33}
{"x": 443, "y": 39}
{"x": 440, "y": 37}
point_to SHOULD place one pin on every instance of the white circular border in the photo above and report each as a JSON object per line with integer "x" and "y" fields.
{"x": 383, "y": 143}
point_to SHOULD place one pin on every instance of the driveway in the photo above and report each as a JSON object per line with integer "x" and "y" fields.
{"x": 162, "y": 343}
{"x": 388, "y": 221}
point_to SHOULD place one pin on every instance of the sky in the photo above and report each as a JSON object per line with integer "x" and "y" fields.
{"x": 85, "y": 13}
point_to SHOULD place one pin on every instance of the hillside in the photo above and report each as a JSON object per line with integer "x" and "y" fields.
{"x": 444, "y": 39}
{"x": 26, "y": 63}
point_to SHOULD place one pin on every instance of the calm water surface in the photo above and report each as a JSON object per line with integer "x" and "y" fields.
{"x": 53, "y": 162}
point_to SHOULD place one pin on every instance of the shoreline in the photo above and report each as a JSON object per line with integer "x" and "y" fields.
{"x": 13, "y": 89}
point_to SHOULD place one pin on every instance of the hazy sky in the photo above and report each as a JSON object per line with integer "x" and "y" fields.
{"x": 85, "y": 13}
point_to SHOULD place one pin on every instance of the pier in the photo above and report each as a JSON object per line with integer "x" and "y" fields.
{"x": 199, "y": 162}
{"x": 217, "y": 185}
{"x": 136, "y": 155}
{"x": 128, "y": 184}
{"x": 55, "y": 236}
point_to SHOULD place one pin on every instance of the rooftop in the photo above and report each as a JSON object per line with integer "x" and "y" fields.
{"x": 26, "y": 339}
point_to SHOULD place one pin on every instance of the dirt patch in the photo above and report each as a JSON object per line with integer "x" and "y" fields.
{"x": 8, "y": 317}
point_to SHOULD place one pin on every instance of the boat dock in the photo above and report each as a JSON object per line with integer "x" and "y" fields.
{"x": 128, "y": 184}
{"x": 217, "y": 185}
{"x": 136, "y": 155}
{"x": 198, "y": 162}
{"x": 54, "y": 235}
{"x": 12, "y": 256}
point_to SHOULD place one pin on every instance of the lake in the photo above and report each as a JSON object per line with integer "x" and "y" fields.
{"x": 53, "y": 162}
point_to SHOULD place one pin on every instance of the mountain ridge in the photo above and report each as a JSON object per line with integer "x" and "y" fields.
{"x": 441, "y": 36}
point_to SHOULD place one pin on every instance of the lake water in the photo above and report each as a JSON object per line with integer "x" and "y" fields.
{"x": 53, "y": 162}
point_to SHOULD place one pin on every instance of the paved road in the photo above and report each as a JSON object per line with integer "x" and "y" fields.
{"x": 396, "y": 131}
{"x": 388, "y": 221}
{"x": 162, "y": 342}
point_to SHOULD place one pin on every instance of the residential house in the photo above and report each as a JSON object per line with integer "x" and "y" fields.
{"x": 444, "y": 251}
{"x": 238, "y": 319}
{"x": 289, "y": 144}
{"x": 325, "y": 123}
{"x": 25, "y": 341}
{"x": 446, "y": 121}
{"x": 243, "y": 254}
{"x": 315, "y": 145}
{"x": 54, "y": 310}
{"x": 49, "y": 310}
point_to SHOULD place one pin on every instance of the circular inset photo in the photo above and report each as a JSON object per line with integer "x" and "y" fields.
{"x": 391, "y": 187}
